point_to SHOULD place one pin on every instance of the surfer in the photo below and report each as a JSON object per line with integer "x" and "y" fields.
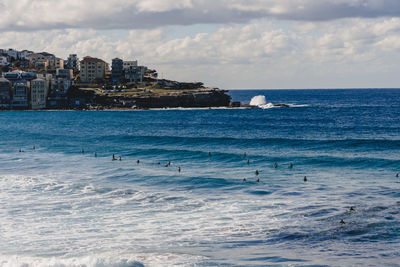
{"x": 244, "y": 179}
{"x": 138, "y": 161}
{"x": 113, "y": 157}
{"x": 397, "y": 175}
{"x": 257, "y": 172}
{"x": 275, "y": 165}
{"x": 342, "y": 222}
{"x": 179, "y": 169}
{"x": 352, "y": 209}
{"x": 291, "y": 166}
{"x": 305, "y": 179}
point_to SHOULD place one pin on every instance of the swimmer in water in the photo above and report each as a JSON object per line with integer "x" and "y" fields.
{"x": 244, "y": 154}
{"x": 258, "y": 180}
{"x": 34, "y": 147}
{"x": 305, "y": 179}
{"x": 83, "y": 151}
{"x": 244, "y": 179}
{"x": 397, "y": 175}
{"x": 179, "y": 169}
{"x": 95, "y": 154}
{"x": 158, "y": 163}
{"x": 120, "y": 158}
{"x": 209, "y": 154}
{"x": 113, "y": 157}
{"x": 20, "y": 150}
{"x": 257, "y": 172}
{"x": 275, "y": 165}
{"x": 291, "y": 166}
{"x": 248, "y": 162}
{"x": 352, "y": 209}
{"x": 342, "y": 222}
{"x": 138, "y": 161}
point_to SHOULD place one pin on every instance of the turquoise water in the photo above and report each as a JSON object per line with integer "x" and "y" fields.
{"x": 62, "y": 207}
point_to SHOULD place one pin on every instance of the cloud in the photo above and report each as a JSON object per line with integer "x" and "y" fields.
{"x": 258, "y": 55}
{"x": 31, "y": 15}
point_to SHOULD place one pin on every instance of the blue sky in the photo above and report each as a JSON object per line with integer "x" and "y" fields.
{"x": 228, "y": 43}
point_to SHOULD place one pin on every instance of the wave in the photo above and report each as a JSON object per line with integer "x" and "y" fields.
{"x": 261, "y": 102}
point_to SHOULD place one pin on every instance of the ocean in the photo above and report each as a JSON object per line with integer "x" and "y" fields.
{"x": 62, "y": 205}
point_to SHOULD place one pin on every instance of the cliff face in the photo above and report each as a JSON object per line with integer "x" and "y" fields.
{"x": 209, "y": 98}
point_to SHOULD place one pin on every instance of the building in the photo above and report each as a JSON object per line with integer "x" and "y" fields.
{"x": 3, "y": 61}
{"x": 41, "y": 65}
{"x": 65, "y": 73}
{"x": 91, "y": 69}
{"x": 72, "y": 62}
{"x": 12, "y": 53}
{"x": 128, "y": 64}
{"x": 38, "y": 94}
{"x": 20, "y": 98}
{"x": 59, "y": 63}
{"x": 5, "y": 93}
{"x": 14, "y": 77}
{"x": 117, "y": 70}
{"x": 135, "y": 74}
{"x": 25, "y": 53}
{"x": 40, "y": 58}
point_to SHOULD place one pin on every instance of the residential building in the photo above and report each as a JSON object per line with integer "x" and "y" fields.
{"x": 65, "y": 73}
{"x": 20, "y": 94}
{"x": 12, "y": 53}
{"x": 3, "y": 61}
{"x": 25, "y": 53}
{"x": 38, "y": 93}
{"x": 59, "y": 63}
{"x": 91, "y": 69}
{"x": 117, "y": 68}
{"x": 5, "y": 93}
{"x": 128, "y": 64}
{"x": 14, "y": 77}
{"x": 72, "y": 62}
{"x": 43, "y": 57}
{"x": 41, "y": 65}
{"x": 135, "y": 74}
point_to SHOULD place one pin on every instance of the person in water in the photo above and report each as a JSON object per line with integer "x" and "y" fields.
{"x": 95, "y": 154}
{"x": 352, "y": 209}
{"x": 305, "y": 179}
{"x": 342, "y": 222}
{"x": 258, "y": 180}
{"x": 209, "y": 154}
{"x": 20, "y": 150}
{"x": 113, "y": 157}
{"x": 138, "y": 161}
{"x": 244, "y": 179}
{"x": 244, "y": 154}
{"x": 248, "y": 162}
{"x": 83, "y": 151}
{"x": 275, "y": 165}
{"x": 291, "y": 166}
{"x": 257, "y": 172}
{"x": 120, "y": 158}
{"x": 34, "y": 147}
{"x": 397, "y": 175}
{"x": 179, "y": 169}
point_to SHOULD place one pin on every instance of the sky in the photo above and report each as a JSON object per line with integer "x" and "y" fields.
{"x": 230, "y": 44}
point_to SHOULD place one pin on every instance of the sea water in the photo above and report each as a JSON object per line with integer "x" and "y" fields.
{"x": 61, "y": 206}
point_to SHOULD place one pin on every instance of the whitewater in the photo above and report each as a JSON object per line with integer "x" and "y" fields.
{"x": 63, "y": 207}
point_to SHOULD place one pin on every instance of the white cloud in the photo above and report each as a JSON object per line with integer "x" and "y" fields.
{"x": 26, "y": 15}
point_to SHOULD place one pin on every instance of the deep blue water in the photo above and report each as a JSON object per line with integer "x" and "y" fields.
{"x": 62, "y": 207}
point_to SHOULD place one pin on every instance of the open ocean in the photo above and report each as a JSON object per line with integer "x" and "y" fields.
{"x": 62, "y": 207}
